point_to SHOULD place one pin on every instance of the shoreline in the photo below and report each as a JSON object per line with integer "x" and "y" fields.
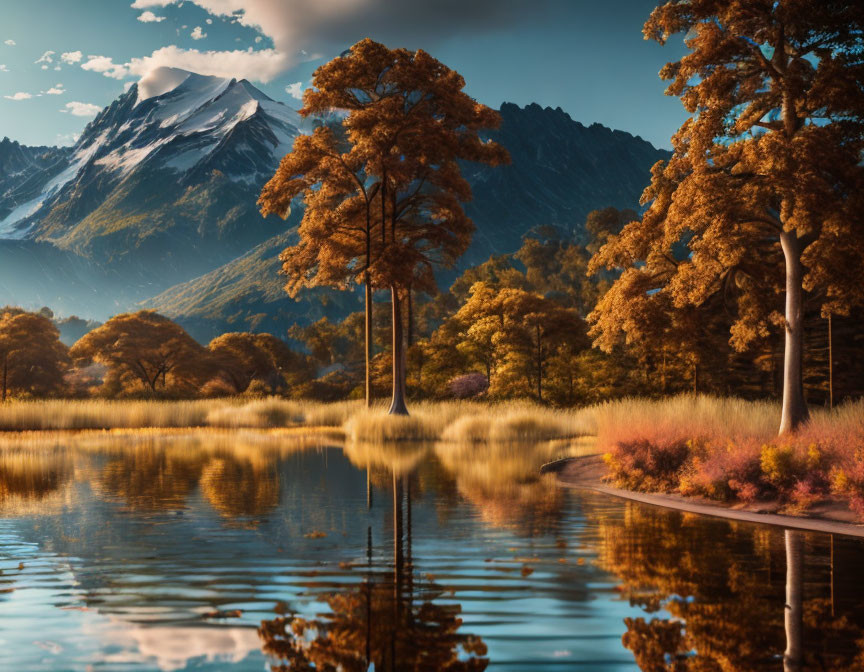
{"x": 586, "y": 472}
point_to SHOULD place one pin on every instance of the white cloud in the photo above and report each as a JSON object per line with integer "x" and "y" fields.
{"x": 3, "y": 68}
{"x": 198, "y": 34}
{"x": 47, "y": 57}
{"x": 106, "y": 66}
{"x": 55, "y": 90}
{"x": 295, "y": 90}
{"x": 258, "y": 39}
{"x": 150, "y": 17}
{"x": 295, "y": 27}
{"x": 262, "y": 65}
{"x": 9, "y": 43}
{"x": 71, "y": 57}
{"x": 21, "y": 95}
{"x": 209, "y": 22}
{"x": 81, "y": 109}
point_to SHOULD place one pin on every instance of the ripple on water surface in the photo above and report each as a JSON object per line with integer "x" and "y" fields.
{"x": 174, "y": 555}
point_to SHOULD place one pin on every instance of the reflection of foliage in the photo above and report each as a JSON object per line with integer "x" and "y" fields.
{"x": 31, "y": 479}
{"x": 150, "y": 479}
{"x": 657, "y": 644}
{"x": 239, "y": 488}
{"x": 502, "y": 480}
{"x": 715, "y": 579}
{"x": 376, "y": 623}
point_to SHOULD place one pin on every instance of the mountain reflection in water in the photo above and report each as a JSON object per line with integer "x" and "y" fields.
{"x": 244, "y": 550}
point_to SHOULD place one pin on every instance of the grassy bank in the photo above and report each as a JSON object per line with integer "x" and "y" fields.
{"x": 723, "y": 449}
{"x": 470, "y": 422}
{"x": 728, "y": 450}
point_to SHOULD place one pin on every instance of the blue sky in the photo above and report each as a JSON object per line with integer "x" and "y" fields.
{"x": 62, "y": 60}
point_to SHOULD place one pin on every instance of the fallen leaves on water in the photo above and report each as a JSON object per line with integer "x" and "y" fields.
{"x": 218, "y": 613}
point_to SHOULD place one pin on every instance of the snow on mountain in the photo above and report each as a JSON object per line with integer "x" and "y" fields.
{"x": 178, "y": 121}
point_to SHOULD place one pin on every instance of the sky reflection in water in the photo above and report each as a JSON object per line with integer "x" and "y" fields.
{"x": 247, "y": 551}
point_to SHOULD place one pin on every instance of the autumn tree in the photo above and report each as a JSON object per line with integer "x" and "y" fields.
{"x": 335, "y": 244}
{"x": 602, "y": 224}
{"x": 34, "y": 360}
{"x": 292, "y": 368}
{"x": 240, "y": 360}
{"x": 410, "y": 123}
{"x": 143, "y": 347}
{"x": 765, "y": 186}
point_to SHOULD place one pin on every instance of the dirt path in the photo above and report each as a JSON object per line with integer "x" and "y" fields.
{"x": 587, "y": 473}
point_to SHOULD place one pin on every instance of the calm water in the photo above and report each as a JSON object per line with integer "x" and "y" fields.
{"x": 250, "y": 554}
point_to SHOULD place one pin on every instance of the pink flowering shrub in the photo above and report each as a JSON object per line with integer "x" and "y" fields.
{"x": 468, "y": 386}
{"x": 825, "y": 458}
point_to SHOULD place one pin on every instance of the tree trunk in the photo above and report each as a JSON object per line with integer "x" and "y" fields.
{"x": 830, "y": 365}
{"x": 793, "y": 610}
{"x": 794, "y": 407}
{"x": 397, "y": 403}
{"x": 410, "y": 317}
{"x": 539, "y": 368}
{"x": 368, "y": 346}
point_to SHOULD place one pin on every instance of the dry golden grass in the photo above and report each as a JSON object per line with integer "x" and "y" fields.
{"x": 611, "y": 422}
{"x": 685, "y": 416}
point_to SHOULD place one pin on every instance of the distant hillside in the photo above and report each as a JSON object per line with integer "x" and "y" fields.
{"x": 156, "y": 202}
{"x": 560, "y": 171}
{"x": 247, "y": 295}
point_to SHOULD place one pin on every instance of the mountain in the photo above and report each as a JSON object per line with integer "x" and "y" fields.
{"x": 560, "y": 170}
{"x": 25, "y": 173}
{"x": 156, "y": 203}
{"x": 163, "y": 188}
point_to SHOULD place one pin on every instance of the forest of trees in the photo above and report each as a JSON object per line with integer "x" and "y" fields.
{"x": 739, "y": 276}
{"x": 513, "y": 327}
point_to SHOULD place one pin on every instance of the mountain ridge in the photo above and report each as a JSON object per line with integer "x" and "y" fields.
{"x": 159, "y": 194}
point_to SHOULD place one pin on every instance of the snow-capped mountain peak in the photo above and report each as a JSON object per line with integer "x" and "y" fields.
{"x": 172, "y": 120}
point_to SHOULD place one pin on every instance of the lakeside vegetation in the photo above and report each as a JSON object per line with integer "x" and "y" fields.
{"x": 694, "y": 445}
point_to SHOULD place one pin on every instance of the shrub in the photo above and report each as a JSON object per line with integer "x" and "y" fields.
{"x": 468, "y": 386}
{"x": 779, "y": 465}
{"x": 847, "y": 480}
{"x": 643, "y": 465}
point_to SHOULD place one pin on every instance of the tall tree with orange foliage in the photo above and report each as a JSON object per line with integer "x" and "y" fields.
{"x": 765, "y": 186}
{"x": 336, "y": 233}
{"x": 32, "y": 358}
{"x": 409, "y": 123}
{"x": 144, "y": 347}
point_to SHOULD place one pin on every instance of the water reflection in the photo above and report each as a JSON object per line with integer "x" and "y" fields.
{"x": 391, "y": 621}
{"x": 737, "y": 598}
{"x": 442, "y": 556}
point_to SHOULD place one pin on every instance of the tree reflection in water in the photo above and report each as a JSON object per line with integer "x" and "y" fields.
{"x": 390, "y": 621}
{"x": 729, "y": 612}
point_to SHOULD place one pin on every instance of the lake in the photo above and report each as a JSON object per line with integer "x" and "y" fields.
{"x": 247, "y": 552}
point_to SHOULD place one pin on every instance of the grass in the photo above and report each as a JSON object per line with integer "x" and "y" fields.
{"x": 728, "y": 450}
{"x": 721, "y": 448}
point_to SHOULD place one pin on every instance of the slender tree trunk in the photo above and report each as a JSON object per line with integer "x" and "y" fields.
{"x": 794, "y": 407}
{"x": 539, "y": 367}
{"x": 830, "y": 365}
{"x": 397, "y": 403}
{"x": 793, "y": 610}
{"x": 367, "y": 282}
{"x": 410, "y": 316}
{"x": 663, "y": 374}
